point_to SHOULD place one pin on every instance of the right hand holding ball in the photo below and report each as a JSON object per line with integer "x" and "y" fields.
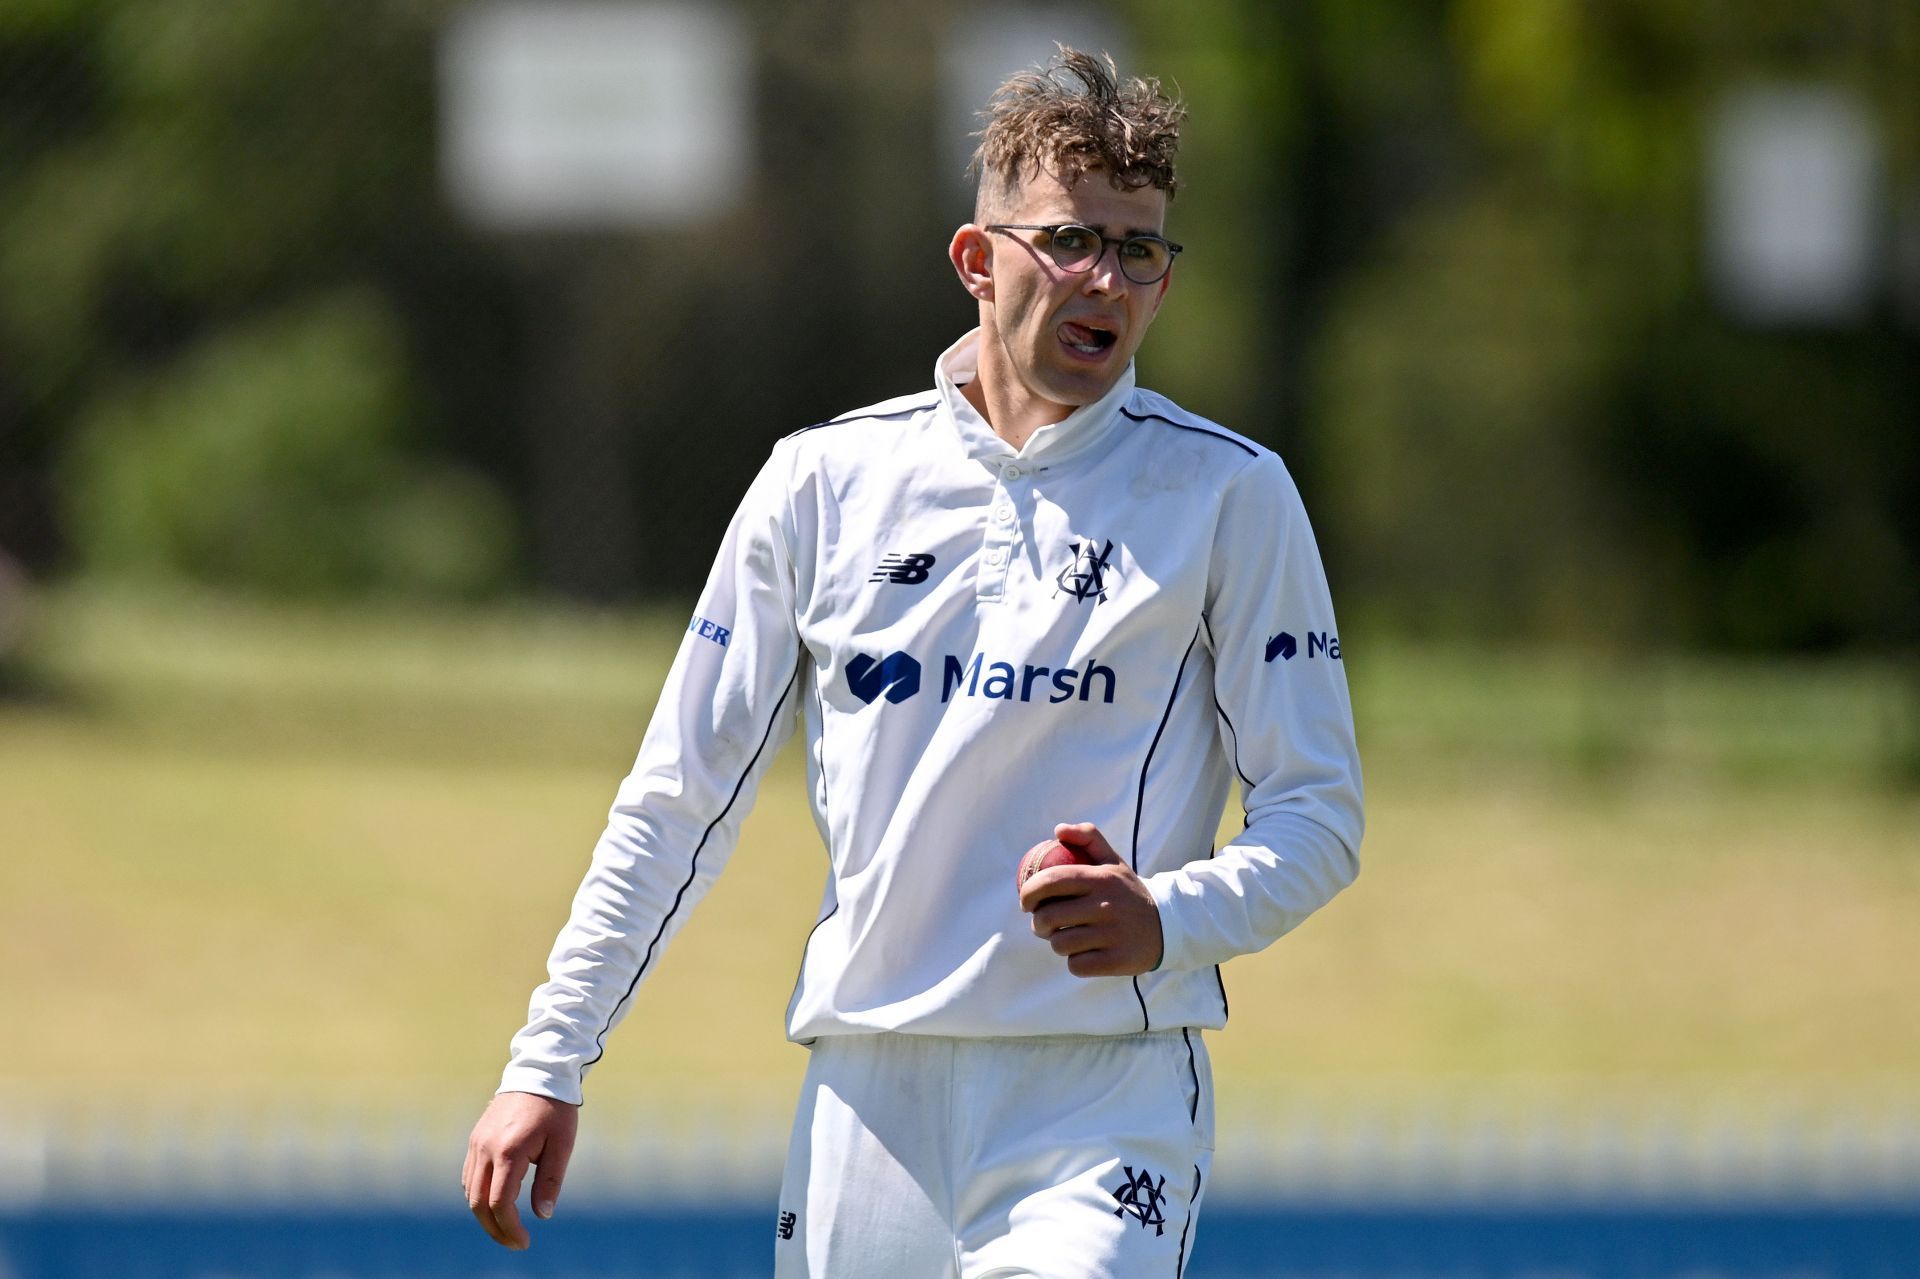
{"x": 1089, "y": 905}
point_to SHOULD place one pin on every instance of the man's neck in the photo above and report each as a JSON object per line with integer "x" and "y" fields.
{"x": 1010, "y": 409}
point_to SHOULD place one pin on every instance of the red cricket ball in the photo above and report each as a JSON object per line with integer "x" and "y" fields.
{"x": 1048, "y": 852}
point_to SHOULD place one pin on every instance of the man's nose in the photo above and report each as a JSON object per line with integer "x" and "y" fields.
{"x": 1102, "y": 278}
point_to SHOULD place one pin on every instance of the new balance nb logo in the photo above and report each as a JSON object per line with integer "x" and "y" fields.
{"x": 787, "y": 1221}
{"x": 1085, "y": 578}
{"x": 1144, "y": 1198}
{"x": 896, "y": 676}
{"x": 903, "y": 570}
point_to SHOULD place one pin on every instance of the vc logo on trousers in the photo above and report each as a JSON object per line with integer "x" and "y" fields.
{"x": 1143, "y": 1198}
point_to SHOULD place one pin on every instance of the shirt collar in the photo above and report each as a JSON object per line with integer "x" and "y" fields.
{"x": 1081, "y": 429}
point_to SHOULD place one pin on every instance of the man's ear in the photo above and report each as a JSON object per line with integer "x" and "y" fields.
{"x": 972, "y": 256}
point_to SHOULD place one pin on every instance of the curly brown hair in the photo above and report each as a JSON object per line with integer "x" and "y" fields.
{"x": 1039, "y": 120}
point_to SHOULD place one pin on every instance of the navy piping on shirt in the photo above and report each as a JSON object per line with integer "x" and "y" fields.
{"x": 827, "y": 821}
{"x": 1146, "y": 1021}
{"x": 1234, "y": 732}
{"x": 693, "y": 871}
{"x": 1246, "y": 789}
{"x": 909, "y": 411}
{"x": 1242, "y": 445}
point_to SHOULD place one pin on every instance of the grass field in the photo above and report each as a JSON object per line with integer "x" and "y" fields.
{"x": 289, "y": 855}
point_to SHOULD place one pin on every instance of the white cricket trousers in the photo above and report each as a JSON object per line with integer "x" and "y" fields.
{"x": 1068, "y": 1157}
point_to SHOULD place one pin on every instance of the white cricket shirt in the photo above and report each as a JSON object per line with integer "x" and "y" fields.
{"x": 1106, "y": 625}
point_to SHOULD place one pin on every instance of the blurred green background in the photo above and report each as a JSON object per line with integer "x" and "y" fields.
{"x": 344, "y": 535}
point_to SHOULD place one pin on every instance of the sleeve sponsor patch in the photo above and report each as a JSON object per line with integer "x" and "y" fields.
{"x": 710, "y": 630}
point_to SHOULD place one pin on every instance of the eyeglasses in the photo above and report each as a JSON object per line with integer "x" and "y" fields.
{"x": 1143, "y": 259}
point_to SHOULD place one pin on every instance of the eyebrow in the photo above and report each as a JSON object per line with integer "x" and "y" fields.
{"x": 1101, "y": 227}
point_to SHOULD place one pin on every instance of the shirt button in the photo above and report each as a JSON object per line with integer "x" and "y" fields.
{"x": 1004, "y": 514}
{"x": 996, "y": 556}
{"x": 1012, "y": 472}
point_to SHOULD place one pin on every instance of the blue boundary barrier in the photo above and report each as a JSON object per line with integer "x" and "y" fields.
{"x": 1235, "y": 1241}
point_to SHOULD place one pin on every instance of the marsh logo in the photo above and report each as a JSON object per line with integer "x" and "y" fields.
{"x": 982, "y": 677}
{"x": 895, "y": 676}
{"x": 1319, "y": 643}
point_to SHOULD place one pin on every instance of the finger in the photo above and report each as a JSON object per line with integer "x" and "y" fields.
{"x": 1076, "y": 834}
{"x": 477, "y": 1202}
{"x": 1077, "y": 940}
{"x": 1045, "y": 920}
{"x": 1056, "y": 883}
{"x": 1059, "y": 912}
{"x": 466, "y": 1173}
{"x": 1086, "y": 837}
{"x": 473, "y": 1183}
{"x": 507, "y": 1176}
{"x": 553, "y": 1171}
{"x": 1095, "y": 963}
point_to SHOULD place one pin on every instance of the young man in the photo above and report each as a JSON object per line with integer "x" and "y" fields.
{"x": 1035, "y": 600}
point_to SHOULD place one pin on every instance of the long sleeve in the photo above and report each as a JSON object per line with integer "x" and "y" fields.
{"x": 1280, "y": 688}
{"x": 728, "y": 703}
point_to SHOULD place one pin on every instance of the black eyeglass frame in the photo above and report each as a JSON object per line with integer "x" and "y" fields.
{"x": 1120, "y": 243}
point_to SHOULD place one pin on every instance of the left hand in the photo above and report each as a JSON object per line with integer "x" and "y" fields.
{"x": 518, "y": 1130}
{"x": 1101, "y": 917}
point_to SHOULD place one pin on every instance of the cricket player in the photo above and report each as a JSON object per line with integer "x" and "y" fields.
{"x": 1035, "y": 600}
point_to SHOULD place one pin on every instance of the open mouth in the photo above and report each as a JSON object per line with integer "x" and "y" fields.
{"x": 1087, "y": 339}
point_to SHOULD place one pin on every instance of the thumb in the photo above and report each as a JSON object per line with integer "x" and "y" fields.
{"x": 552, "y": 1166}
{"x": 1086, "y": 837}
